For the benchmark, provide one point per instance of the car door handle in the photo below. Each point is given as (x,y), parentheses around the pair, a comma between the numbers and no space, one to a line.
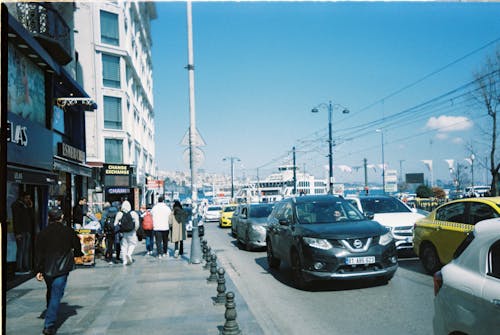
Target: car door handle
(496,302)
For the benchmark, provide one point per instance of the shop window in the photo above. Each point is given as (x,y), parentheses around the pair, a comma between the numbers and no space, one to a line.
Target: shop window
(109,28)
(112,112)
(113,151)
(111,71)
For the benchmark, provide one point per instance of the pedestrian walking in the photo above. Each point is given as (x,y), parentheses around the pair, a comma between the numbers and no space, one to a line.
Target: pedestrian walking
(128,221)
(161,214)
(177,223)
(108,227)
(56,247)
(23,220)
(147,227)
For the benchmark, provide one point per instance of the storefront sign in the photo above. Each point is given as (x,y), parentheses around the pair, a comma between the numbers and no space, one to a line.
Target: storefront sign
(70,152)
(29,143)
(116,169)
(118,190)
(17,134)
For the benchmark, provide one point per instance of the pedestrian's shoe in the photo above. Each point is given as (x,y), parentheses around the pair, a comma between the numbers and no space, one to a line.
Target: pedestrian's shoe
(48,331)
(129,260)
(176,253)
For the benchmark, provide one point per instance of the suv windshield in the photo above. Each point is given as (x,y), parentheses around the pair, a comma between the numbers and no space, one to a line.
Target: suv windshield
(229,209)
(327,212)
(383,205)
(260,211)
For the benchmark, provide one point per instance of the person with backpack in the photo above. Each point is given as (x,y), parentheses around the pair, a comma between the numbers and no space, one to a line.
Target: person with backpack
(128,222)
(147,227)
(108,227)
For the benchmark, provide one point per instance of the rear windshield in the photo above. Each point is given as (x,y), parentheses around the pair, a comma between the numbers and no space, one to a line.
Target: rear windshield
(383,205)
(229,209)
(465,243)
(327,212)
(214,208)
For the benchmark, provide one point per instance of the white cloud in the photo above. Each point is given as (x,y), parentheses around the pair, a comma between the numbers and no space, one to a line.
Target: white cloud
(441,136)
(458,140)
(446,123)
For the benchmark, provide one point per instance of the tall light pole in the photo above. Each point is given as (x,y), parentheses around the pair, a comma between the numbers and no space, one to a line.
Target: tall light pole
(383,159)
(472,158)
(330,107)
(232,160)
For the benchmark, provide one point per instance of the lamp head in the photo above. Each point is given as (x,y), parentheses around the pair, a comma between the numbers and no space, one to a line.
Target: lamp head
(345,111)
(315,110)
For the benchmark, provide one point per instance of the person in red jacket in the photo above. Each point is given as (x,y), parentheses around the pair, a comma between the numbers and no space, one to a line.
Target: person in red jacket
(147,226)
(56,247)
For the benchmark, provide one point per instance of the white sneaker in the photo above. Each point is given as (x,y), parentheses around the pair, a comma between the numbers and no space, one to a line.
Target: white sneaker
(176,254)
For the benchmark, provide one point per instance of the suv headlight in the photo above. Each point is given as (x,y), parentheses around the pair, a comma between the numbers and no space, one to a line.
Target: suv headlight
(385,239)
(317,243)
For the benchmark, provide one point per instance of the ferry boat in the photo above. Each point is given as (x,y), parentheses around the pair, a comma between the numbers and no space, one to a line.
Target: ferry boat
(279,185)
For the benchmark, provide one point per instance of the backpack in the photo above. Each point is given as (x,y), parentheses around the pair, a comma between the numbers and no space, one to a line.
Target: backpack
(127,223)
(147,221)
(109,225)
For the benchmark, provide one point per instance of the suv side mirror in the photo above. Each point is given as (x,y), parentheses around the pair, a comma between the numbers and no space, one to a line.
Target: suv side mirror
(369,215)
(284,222)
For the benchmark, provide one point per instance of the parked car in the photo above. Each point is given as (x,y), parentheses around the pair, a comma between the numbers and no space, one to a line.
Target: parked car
(325,237)
(235,219)
(476,191)
(437,236)
(189,224)
(393,214)
(252,223)
(467,290)
(212,213)
(226,215)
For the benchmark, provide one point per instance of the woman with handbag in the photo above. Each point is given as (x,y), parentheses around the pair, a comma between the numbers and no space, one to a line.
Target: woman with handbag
(177,223)
(56,247)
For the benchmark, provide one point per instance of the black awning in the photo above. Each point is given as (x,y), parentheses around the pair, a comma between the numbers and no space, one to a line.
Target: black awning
(61,164)
(29,176)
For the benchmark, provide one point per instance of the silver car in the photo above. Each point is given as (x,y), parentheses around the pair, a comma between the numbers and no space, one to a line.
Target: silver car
(252,223)
(468,289)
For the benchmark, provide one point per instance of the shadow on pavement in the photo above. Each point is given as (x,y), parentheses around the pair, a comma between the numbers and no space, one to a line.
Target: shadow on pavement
(284,275)
(65,312)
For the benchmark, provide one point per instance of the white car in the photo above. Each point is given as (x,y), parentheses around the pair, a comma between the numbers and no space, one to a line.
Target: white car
(468,289)
(391,213)
(212,213)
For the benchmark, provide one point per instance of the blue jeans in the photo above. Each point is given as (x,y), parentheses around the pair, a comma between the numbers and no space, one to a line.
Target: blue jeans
(149,240)
(55,292)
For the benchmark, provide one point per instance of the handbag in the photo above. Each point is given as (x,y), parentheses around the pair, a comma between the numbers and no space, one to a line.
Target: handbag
(60,265)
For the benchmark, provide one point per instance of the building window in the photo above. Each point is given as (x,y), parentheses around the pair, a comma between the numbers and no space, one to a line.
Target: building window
(113,151)
(111,71)
(112,112)
(109,28)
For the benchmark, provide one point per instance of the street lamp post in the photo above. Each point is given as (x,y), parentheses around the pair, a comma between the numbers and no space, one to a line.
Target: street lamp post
(330,107)
(383,158)
(232,160)
(472,158)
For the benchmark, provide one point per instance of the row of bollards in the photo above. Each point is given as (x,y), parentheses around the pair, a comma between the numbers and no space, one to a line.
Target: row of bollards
(217,276)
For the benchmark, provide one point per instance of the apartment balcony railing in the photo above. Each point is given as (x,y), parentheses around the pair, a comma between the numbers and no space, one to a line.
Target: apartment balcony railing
(48,28)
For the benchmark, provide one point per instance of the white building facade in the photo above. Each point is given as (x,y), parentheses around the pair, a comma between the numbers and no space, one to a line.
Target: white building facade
(113,43)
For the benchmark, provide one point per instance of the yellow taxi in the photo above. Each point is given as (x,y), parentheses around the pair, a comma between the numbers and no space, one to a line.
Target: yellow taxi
(436,237)
(226,215)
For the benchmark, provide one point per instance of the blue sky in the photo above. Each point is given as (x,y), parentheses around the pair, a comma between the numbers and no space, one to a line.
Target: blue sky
(260,67)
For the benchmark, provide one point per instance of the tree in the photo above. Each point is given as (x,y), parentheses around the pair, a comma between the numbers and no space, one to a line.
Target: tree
(438,192)
(488,95)
(424,191)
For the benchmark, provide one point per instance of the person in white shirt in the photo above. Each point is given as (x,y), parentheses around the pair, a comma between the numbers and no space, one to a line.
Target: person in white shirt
(161,213)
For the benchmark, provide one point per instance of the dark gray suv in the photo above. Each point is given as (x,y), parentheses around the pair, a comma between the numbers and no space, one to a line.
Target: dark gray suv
(325,237)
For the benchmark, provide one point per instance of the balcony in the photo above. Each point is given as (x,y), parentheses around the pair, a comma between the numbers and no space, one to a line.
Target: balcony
(48,28)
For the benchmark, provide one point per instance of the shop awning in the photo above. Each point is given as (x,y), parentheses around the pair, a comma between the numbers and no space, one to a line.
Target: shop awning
(65,165)
(22,175)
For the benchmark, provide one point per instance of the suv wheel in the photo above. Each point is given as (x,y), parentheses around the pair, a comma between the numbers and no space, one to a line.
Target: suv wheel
(430,258)
(274,263)
(297,275)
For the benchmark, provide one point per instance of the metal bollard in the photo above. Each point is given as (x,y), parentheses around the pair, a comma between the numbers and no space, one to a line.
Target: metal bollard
(195,246)
(213,270)
(230,326)
(221,288)
(208,258)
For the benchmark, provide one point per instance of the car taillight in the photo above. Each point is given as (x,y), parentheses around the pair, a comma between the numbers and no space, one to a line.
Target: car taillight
(438,282)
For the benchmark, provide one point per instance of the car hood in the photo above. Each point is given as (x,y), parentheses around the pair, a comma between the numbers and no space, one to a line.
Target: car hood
(397,219)
(342,230)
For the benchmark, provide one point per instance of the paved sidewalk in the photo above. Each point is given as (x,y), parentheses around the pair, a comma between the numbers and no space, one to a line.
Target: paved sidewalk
(151,296)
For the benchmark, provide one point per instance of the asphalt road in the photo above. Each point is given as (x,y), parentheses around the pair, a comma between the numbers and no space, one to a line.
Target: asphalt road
(403,306)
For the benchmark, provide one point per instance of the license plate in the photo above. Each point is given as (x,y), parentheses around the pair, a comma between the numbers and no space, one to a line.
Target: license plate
(360,260)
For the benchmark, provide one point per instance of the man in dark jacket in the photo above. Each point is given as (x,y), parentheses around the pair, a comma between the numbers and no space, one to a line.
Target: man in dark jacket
(23,217)
(56,247)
